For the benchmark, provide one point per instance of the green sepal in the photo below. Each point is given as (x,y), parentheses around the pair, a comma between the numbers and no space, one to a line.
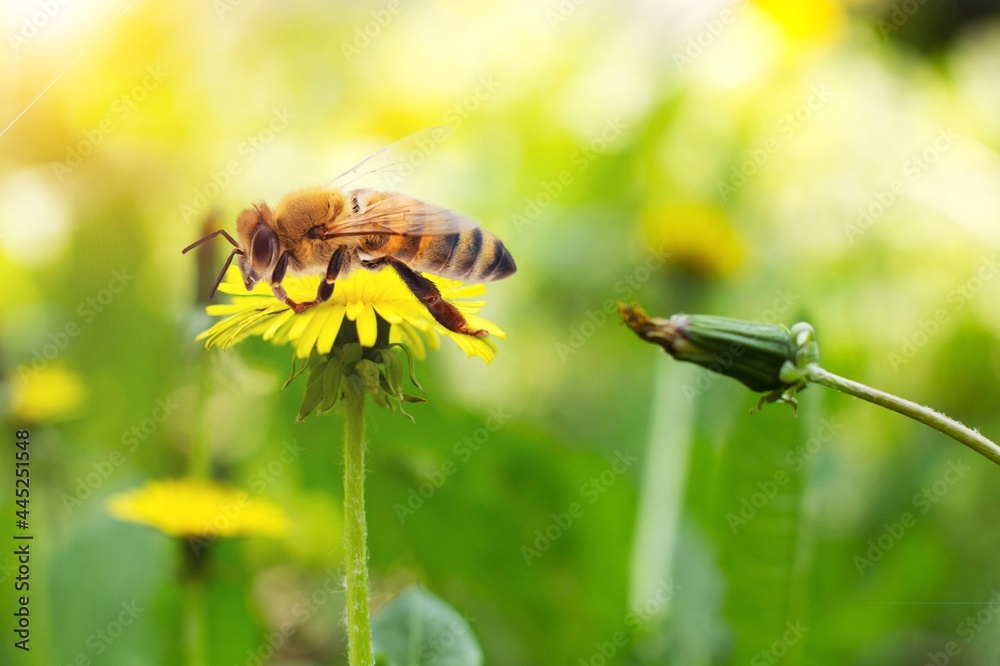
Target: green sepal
(296,371)
(378,371)
(409,360)
(369,373)
(393,372)
(352,352)
(380,399)
(750,352)
(314,390)
(332,376)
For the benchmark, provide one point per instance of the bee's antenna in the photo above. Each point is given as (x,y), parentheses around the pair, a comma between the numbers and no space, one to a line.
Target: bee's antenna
(225,268)
(229,260)
(210,237)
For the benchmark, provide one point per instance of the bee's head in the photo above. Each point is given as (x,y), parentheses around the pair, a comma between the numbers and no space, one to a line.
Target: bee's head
(258,244)
(257,247)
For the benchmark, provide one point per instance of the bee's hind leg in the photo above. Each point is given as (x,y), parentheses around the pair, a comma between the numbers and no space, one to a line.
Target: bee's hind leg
(444,312)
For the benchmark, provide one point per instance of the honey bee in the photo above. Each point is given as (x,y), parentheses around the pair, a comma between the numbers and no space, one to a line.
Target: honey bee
(339,227)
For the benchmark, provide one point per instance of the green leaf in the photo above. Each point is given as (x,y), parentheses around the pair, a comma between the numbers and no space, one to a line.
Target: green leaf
(418,629)
(762,544)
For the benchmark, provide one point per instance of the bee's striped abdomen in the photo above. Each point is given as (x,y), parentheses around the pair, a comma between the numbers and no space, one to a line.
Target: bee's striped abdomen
(475,255)
(404,248)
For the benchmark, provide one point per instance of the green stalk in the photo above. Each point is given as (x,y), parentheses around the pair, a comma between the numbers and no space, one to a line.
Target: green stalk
(196,558)
(193,584)
(359,631)
(957,431)
(200,458)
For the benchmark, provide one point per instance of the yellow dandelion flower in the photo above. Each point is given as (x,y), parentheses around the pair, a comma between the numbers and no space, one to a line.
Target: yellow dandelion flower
(50,394)
(193,508)
(816,21)
(699,238)
(362,299)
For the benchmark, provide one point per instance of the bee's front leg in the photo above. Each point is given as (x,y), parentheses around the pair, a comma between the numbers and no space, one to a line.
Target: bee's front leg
(282,295)
(277,275)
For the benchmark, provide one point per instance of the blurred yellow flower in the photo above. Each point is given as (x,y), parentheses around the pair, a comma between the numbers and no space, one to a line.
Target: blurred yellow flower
(697,237)
(49,394)
(196,508)
(817,20)
(362,298)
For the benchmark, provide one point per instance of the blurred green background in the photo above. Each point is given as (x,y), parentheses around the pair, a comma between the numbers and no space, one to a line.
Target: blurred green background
(778,160)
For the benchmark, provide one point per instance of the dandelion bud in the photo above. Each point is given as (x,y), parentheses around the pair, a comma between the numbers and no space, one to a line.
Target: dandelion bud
(765,357)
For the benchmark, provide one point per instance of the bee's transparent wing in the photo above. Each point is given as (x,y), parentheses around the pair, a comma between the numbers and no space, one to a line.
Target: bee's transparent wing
(390,166)
(398,215)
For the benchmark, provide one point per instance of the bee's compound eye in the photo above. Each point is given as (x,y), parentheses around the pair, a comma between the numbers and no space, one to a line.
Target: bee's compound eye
(263,247)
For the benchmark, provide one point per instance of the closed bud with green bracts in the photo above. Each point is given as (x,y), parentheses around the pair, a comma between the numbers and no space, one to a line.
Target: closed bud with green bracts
(764,357)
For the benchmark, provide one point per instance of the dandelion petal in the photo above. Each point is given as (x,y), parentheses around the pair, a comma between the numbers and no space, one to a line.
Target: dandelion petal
(304,345)
(354,308)
(367,327)
(324,344)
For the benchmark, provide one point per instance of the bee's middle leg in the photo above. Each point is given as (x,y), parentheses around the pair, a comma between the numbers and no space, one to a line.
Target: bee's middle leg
(373,264)
(323,292)
(444,312)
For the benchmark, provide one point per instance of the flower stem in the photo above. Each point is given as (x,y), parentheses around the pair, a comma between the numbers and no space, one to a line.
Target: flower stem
(359,632)
(200,458)
(194,619)
(949,426)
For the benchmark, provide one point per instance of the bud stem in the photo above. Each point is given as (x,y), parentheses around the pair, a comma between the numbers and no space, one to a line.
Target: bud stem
(957,431)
